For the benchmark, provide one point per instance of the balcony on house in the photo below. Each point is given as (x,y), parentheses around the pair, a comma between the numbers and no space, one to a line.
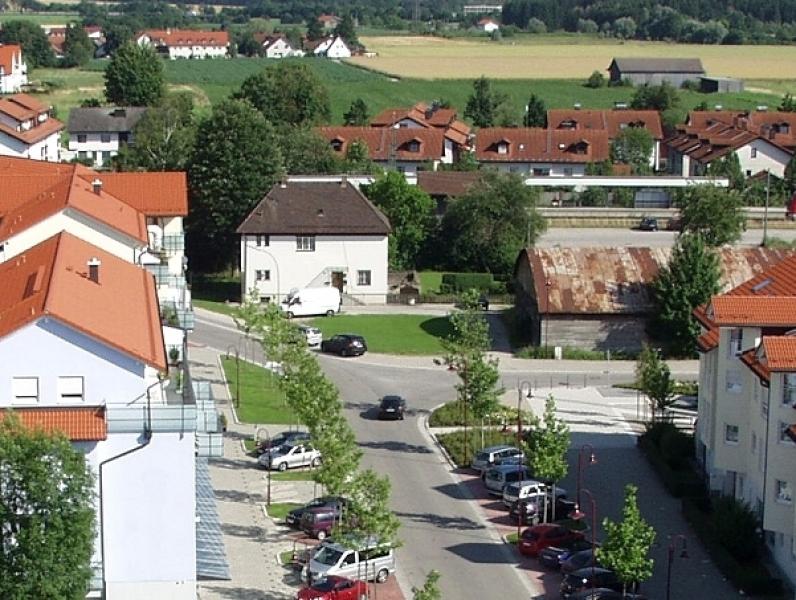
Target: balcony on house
(209,425)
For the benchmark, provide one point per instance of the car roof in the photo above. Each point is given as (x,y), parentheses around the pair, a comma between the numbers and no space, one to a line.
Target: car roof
(391,397)
(507,468)
(524,482)
(496,448)
(587,571)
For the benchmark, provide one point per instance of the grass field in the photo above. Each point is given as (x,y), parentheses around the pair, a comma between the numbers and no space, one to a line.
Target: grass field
(261,401)
(391,334)
(54,18)
(547,57)
(430,281)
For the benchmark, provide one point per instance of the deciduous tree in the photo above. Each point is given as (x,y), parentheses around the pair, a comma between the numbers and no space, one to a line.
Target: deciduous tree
(714,212)
(535,112)
(357,114)
(730,167)
(482,105)
(46,515)
(134,76)
(78,48)
(655,97)
(548,448)
(627,543)
(789,178)
(430,589)
(633,146)
(305,152)
(654,379)
(346,30)
(410,211)
(226,182)
(36,49)
(689,280)
(314,29)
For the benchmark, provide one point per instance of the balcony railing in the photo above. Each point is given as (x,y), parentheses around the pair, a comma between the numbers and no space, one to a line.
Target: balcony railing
(173,243)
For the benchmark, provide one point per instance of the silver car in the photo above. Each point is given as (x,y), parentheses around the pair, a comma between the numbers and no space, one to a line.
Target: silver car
(290,456)
(313,334)
(493,455)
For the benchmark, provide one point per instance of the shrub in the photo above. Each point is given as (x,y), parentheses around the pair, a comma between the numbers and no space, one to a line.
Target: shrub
(679,482)
(452,414)
(569,353)
(734,526)
(536,26)
(595,80)
(656,431)
(454,443)
(677,448)
(453,283)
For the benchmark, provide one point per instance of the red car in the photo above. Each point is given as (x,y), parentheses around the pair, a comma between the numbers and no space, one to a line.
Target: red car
(334,588)
(537,538)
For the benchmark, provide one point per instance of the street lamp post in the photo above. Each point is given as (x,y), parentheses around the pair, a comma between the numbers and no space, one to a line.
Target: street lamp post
(670,559)
(523,391)
(592,461)
(547,285)
(237,373)
(577,514)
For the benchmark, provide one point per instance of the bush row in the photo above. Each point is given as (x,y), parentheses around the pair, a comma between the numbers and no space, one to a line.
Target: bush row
(571,353)
(682,482)
(453,283)
(451,414)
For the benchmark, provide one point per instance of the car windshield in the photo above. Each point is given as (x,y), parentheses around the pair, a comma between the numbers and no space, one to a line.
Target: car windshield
(529,534)
(482,457)
(328,556)
(284,449)
(391,401)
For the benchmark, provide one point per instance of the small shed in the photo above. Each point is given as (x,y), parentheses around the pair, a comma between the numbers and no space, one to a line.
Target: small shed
(712,85)
(654,71)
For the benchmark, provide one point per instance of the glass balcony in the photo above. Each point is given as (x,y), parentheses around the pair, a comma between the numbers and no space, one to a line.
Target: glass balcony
(173,244)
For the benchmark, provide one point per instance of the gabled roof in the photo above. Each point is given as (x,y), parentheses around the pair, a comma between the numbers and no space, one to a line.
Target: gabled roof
(776,126)
(613,121)
(780,352)
(162,194)
(315,208)
(426,116)
(601,280)
(659,65)
(104,119)
(534,144)
(9,52)
(78,423)
(447,183)
(186,37)
(385,142)
(50,280)
(763,311)
(27,199)
(22,107)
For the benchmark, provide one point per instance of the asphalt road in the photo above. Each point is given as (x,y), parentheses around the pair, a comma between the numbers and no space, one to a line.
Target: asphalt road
(630,237)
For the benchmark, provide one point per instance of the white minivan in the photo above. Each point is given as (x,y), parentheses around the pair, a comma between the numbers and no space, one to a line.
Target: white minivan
(374,562)
(311,301)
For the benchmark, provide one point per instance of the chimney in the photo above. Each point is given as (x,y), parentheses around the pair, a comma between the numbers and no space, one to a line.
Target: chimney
(283,183)
(97,185)
(320,212)
(93,269)
(343,181)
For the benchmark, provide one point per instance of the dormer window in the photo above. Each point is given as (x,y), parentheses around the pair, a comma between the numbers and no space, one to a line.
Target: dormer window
(579,148)
(413,146)
(502,148)
(568,124)
(337,144)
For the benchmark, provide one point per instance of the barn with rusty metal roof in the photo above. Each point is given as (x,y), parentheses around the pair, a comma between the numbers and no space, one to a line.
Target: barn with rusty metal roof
(600,297)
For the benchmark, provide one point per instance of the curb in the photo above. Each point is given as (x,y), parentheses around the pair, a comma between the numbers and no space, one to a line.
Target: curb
(433,436)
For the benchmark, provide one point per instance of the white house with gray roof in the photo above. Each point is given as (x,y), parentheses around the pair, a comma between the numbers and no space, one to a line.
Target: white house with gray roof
(97,133)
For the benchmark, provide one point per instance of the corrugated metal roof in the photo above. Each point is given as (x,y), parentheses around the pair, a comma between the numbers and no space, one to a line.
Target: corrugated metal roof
(601,280)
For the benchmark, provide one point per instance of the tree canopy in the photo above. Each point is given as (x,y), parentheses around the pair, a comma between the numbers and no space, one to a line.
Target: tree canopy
(46,515)
(485,229)
(535,112)
(36,49)
(357,113)
(288,93)
(78,48)
(225,182)
(714,212)
(484,104)
(306,152)
(633,146)
(410,211)
(134,76)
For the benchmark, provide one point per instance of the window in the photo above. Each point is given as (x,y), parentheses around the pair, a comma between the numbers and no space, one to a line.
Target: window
(82,154)
(783,491)
(734,382)
(789,389)
(305,243)
(503,148)
(263,240)
(337,145)
(736,343)
(541,172)
(754,152)
(567,171)
(25,389)
(262,275)
(363,277)
(413,146)
(81,138)
(731,434)
(70,389)
(783,433)
(105,138)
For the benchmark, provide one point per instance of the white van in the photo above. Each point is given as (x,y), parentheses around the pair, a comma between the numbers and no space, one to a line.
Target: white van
(311,301)
(374,562)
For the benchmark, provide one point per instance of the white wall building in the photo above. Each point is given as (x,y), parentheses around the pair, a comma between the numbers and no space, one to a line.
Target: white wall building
(13,70)
(331,47)
(315,234)
(27,130)
(186,43)
(747,400)
(97,133)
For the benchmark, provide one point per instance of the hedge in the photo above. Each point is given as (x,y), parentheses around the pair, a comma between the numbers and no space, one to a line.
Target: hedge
(451,414)
(460,282)
(751,577)
(679,483)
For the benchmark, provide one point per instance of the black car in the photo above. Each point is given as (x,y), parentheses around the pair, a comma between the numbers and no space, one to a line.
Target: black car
(553,557)
(392,407)
(648,224)
(336,503)
(605,594)
(285,437)
(589,578)
(345,344)
(579,560)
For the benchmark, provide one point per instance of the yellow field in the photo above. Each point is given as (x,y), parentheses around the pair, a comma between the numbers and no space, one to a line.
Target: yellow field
(560,57)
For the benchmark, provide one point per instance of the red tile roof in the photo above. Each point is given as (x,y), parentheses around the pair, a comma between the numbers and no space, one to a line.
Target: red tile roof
(751,360)
(78,423)
(426,116)
(541,145)
(613,121)
(763,311)
(780,352)
(22,108)
(186,37)
(382,142)
(153,194)
(7,54)
(50,280)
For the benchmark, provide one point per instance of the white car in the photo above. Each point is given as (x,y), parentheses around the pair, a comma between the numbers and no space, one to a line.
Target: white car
(313,335)
(288,456)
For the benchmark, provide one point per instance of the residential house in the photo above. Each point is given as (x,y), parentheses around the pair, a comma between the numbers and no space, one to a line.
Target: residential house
(405,149)
(13,70)
(306,234)
(330,47)
(488,25)
(600,298)
(27,130)
(760,147)
(541,152)
(329,22)
(97,133)
(427,116)
(186,43)
(747,393)
(276,46)
(655,71)
(83,353)
(57,38)
(445,187)
(613,121)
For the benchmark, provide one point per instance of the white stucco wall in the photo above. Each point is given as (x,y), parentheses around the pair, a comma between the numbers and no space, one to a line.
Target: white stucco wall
(176,52)
(11,83)
(292,269)
(768,157)
(94,147)
(46,149)
(555,169)
(78,225)
(279,49)
(338,49)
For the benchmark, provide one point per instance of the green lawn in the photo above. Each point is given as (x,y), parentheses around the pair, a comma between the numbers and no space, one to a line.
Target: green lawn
(42,18)
(261,400)
(279,510)
(390,334)
(430,281)
(301,475)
